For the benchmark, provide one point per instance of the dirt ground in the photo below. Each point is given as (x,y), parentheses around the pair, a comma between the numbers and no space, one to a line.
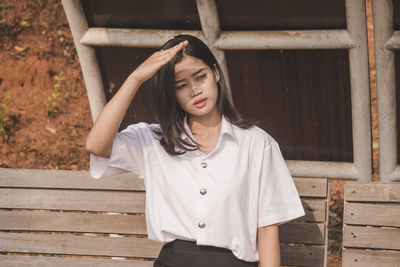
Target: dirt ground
(44,109)
(42,87)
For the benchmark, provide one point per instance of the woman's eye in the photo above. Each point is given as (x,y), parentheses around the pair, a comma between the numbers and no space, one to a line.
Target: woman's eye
(201,77)
(180,86)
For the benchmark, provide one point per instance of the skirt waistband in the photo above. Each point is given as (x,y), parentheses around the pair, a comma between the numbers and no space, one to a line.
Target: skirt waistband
(183,253)
(180,244)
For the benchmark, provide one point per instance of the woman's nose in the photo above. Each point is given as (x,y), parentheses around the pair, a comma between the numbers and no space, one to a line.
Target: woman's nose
(195,90)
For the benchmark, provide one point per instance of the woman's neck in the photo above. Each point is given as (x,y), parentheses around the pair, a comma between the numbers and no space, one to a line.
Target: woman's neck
(205,126)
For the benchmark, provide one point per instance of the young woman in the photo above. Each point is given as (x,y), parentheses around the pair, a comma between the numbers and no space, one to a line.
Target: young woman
(217,187)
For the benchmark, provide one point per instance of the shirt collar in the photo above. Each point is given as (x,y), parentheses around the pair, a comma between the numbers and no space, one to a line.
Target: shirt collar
(226,129)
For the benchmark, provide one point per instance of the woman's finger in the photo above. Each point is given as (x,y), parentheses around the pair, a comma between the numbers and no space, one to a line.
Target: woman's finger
(166,55)
(175,47)
(147,69)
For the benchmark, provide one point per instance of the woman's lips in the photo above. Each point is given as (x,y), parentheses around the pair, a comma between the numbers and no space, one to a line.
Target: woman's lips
(201,103)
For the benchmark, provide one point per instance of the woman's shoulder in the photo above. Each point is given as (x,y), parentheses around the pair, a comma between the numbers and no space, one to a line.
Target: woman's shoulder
(256,134)
(143,129)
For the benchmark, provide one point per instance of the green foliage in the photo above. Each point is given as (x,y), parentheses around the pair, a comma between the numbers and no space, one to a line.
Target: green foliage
(51,104)
(51,100)
(4,117)
(3,24)
(59,78)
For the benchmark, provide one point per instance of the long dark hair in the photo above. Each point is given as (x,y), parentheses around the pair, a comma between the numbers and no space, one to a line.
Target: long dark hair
(170,114)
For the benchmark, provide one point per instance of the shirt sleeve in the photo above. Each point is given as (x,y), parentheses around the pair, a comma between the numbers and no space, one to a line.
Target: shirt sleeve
(279,201)
(127,153)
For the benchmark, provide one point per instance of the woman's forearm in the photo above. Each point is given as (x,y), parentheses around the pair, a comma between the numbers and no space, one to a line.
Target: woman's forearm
(102,134)
(268,246)
(100,138)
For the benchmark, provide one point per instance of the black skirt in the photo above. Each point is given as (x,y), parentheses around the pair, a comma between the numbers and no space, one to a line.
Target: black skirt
(183,253)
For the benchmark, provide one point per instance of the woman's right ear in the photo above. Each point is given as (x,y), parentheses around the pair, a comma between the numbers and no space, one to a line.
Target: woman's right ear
(216,73)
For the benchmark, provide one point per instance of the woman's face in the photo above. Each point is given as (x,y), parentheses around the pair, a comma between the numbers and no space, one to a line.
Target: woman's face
(196,86)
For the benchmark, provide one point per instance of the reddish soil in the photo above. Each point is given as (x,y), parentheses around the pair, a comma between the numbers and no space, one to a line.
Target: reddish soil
(39,61)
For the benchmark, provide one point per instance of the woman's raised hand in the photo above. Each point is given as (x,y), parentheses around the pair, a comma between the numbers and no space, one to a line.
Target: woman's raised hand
(104,130)
(153,63)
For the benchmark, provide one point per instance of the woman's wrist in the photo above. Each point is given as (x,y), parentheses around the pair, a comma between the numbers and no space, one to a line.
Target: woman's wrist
(130,87)
(133,78)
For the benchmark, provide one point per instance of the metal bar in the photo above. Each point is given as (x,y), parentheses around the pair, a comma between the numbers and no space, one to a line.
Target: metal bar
(87,57)
(209,20)
(327,169)
(385,81)
(394,41)
(324,39)
(327,224)
(310,39)
(132,37)
(360,88)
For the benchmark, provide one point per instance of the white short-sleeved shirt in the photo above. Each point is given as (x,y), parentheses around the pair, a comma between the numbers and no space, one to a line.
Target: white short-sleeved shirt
(218,199)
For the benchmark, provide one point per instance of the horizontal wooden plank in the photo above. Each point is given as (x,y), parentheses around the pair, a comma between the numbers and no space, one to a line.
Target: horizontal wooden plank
(371,237)
(315,210)
(370,258)
(65,179)
(302,255)
(45,261)
(304,233)
(290,255)
(79,245)
(72,222)
(114,201)
(311,187)
(372,192)
(372,214)
(307,233)
(122,247)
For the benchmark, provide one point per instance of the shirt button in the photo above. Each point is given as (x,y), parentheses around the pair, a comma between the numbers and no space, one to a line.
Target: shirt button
(201,224)
(203,191)
(204,164)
